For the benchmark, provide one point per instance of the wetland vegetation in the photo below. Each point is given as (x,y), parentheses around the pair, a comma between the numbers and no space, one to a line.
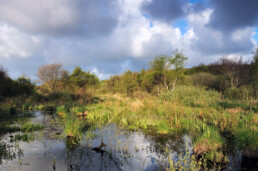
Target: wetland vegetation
(200,118)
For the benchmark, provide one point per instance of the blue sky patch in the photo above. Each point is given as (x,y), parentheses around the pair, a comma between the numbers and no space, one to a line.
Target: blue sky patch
(148,17)
(194,1)
(182,25)
(256,35)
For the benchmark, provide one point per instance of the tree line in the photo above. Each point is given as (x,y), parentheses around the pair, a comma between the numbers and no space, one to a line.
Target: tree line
(233,78)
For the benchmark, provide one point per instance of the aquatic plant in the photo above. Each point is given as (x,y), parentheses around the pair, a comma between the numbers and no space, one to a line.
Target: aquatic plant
(185,161)
(19,137)
(29,127)
(6,153)
(73,127)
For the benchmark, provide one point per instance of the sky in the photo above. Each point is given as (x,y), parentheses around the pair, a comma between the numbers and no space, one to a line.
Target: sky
(108,37)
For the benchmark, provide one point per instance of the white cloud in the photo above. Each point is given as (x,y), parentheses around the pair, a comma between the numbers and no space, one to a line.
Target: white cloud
(107,36)
(212,44)
(16,43)
(100,75)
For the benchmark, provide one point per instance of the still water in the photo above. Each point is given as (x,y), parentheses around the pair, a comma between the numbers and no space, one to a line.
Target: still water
(106,148)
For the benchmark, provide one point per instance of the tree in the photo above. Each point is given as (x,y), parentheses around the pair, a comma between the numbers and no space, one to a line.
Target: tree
(130,82)
(162,64)
(5,83)
(177,62)
(254,72)
(3,73)
(237,71)
(159,67)
(111,83)
(65,78)
(50,74)
(81,78)
(24,86)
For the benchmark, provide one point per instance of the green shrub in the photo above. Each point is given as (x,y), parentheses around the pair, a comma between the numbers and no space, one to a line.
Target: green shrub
(192,96)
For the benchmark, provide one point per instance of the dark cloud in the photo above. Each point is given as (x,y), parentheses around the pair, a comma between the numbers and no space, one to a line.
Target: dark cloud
(60,17)
(166,10)
(111,36)
(229,15)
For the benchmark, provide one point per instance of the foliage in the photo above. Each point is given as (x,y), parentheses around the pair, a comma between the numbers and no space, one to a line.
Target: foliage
(203,79)
(81,78)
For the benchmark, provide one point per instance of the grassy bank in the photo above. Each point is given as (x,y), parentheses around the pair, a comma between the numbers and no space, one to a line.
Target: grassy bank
(188,110)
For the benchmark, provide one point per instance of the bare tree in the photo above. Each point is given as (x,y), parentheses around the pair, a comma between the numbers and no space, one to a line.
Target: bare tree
(236,70)
(50,74)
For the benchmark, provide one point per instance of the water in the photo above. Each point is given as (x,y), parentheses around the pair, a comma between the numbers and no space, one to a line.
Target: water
(120,149)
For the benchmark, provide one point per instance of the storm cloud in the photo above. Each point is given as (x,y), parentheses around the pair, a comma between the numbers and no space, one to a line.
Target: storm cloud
(109,37)
(167,10)
(230,15)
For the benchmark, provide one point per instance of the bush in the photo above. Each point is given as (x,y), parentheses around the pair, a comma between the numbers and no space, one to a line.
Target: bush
(242,93)
(192,96)
(203,79)
(62,97)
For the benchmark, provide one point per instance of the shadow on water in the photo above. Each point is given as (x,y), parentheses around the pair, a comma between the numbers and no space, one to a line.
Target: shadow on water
(105,148)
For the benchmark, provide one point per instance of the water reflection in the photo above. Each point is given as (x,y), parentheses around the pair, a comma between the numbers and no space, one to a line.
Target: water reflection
(106,148)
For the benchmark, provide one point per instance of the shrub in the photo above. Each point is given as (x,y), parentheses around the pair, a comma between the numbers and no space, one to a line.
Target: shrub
(203,79)
(192,96)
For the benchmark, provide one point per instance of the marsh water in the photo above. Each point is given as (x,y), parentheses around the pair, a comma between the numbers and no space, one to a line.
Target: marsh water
(105,148)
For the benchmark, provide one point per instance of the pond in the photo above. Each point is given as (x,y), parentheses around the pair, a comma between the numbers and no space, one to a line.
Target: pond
(105,148)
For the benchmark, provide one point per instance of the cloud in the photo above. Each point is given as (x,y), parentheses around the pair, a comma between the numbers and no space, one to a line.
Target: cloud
(110,37)
(212,41)
(165,10)
(16,43)
(60,17)
(234,14)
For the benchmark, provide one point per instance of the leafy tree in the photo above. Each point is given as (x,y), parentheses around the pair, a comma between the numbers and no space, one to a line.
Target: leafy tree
(148,81)
(254,72)
(111,83)
(5,83)
(24,86)
(65,79)
(81,78)
(129,82)
(177,61)
(159,67)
